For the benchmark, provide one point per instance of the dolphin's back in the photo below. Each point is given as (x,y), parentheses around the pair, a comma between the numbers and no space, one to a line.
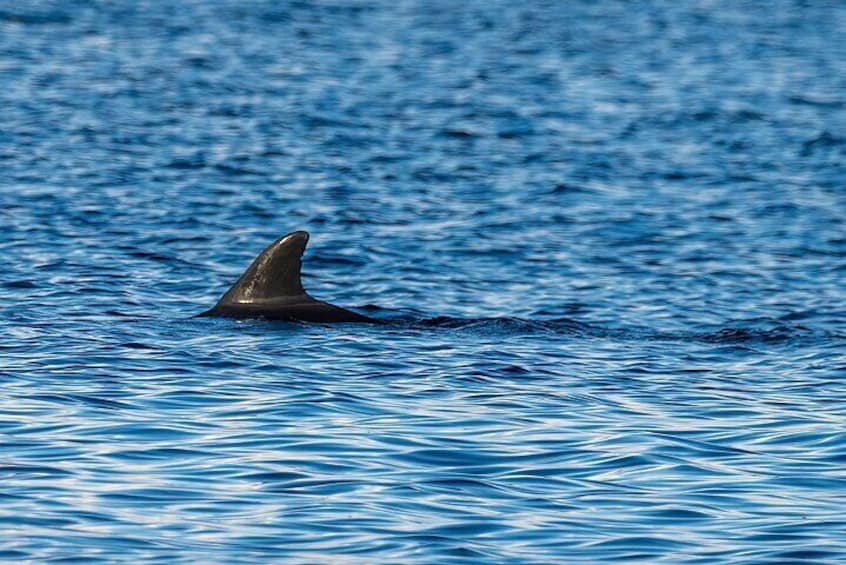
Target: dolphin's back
(271,288)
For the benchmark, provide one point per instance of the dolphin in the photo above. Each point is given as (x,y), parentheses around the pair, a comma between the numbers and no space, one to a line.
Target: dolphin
(271,288)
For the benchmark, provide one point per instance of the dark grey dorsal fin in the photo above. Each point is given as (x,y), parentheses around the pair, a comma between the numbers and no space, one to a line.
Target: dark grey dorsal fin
(275,273)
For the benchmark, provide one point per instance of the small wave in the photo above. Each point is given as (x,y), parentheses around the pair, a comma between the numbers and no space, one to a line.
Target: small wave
(731,334)
(35,17)
(746,335)
(505,324)
(741,333)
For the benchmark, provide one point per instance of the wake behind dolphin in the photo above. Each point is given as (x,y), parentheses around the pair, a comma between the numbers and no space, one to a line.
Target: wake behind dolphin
(271,288)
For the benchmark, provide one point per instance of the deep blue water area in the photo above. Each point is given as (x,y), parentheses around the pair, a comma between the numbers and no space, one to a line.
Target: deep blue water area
(608,237)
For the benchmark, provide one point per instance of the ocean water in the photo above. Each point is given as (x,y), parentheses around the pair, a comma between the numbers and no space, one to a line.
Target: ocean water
(608,236)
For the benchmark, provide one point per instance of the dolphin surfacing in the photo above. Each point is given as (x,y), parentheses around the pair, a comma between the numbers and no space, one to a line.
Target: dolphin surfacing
(270,288)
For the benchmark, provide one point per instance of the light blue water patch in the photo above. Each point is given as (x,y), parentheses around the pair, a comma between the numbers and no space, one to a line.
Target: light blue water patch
(608,238)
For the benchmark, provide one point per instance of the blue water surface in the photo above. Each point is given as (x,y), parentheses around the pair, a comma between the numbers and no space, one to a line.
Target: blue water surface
(609,238)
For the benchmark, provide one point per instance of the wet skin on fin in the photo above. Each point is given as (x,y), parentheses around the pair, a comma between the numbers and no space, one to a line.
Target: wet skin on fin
(271,288)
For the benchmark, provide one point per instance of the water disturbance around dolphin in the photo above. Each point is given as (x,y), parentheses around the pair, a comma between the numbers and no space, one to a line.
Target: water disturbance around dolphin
(272,288)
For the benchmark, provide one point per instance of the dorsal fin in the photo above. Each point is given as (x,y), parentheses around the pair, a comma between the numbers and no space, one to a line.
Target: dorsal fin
(275,273)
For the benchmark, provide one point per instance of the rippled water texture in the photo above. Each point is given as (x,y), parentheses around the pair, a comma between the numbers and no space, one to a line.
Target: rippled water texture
(609,238)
